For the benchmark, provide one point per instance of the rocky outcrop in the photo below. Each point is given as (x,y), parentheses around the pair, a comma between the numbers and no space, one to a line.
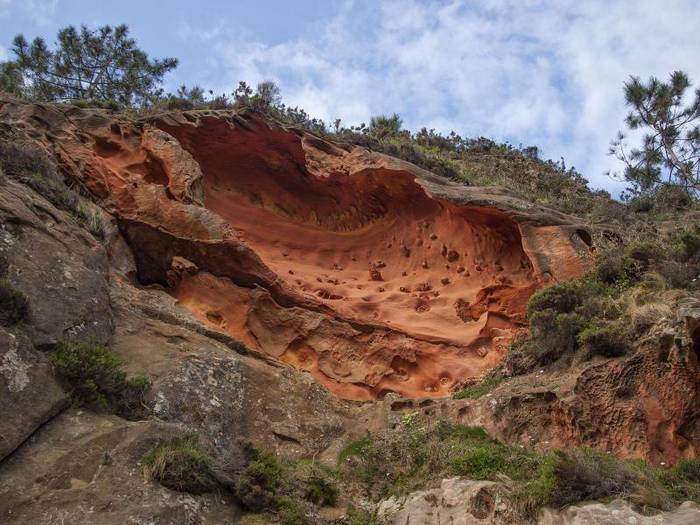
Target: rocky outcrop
(57,264)
(643,405)
(211,384)
(84,468)
(268,283)
(61,269)
(29,395)
(292,226)
(460,501)
(457,501)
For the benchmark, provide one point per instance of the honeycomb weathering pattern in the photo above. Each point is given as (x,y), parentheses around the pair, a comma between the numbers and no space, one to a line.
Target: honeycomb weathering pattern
(369,272)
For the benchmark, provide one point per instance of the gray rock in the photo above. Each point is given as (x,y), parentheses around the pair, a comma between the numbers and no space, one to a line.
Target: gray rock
(456,501)
(58,265)
(619,512)
(29,395)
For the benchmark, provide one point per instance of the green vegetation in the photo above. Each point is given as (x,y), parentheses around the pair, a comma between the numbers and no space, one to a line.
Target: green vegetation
(355,448)
(412,456)
(683,480)
(282,486)
(667,165)
(93,376)
(35,168)
(180,464)
(14,305)
(479,389)
(100,64)
(621,297)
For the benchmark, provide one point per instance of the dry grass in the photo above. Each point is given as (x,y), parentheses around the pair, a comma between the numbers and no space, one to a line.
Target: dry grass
(180,464)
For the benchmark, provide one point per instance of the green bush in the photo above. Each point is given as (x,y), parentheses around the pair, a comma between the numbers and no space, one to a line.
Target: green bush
(588,474)
(263,475)
(18,161)
(131,401)
(563,297)
(290,512)
(91,372)
(321,491)
(287,487)
(686,242)
(555,334)
(361,517)
(683,480)
(482,462)
(617,269)
(607,340)
(645,252)
(180,464)
(93,376)
(14,305)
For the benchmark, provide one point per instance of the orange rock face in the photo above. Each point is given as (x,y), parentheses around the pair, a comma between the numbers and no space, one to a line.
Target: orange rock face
(370,273)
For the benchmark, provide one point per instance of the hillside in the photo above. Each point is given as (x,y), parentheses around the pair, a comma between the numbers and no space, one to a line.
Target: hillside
(308,329)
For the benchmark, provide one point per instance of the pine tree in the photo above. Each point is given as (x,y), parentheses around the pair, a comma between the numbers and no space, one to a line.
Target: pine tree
(669,154)
(102,64)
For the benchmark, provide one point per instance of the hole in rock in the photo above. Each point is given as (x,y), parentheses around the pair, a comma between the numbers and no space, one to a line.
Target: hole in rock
(304,223)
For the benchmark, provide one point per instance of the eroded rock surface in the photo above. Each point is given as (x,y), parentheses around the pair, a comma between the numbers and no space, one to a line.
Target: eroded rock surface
(292,230)
(460,501)
(29,394)
(61,269)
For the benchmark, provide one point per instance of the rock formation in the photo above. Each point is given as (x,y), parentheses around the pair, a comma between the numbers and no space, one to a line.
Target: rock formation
(272,285)
(372,274)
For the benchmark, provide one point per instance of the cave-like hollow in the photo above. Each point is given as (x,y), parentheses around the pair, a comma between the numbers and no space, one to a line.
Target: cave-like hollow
(439,281)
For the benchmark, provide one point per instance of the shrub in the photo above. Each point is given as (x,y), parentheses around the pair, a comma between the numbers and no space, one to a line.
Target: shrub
(555,334)
(131,402)
(672,197)
(361,517)
(616,269)
(262,476)
(686,243)
(687,469)
(93,376)
(290,512)
(180,464)
(33,166)
(91,372)
(320,491)
(562,297)
(644,252)
(96,103)
(19,161)
(14,305)
(482,462)
(608,340)
(647,315)
(587,474)
(271,484)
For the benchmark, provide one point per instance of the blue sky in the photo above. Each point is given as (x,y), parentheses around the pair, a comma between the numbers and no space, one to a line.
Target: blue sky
(532,72)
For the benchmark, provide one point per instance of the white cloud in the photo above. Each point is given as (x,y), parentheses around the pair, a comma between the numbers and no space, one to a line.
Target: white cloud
(41,12)
(539,72)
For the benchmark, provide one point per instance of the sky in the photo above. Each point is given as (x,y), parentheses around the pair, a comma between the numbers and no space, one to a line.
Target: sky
(533,72)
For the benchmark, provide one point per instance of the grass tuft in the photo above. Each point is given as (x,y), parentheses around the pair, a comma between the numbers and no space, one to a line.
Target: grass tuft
(180,464)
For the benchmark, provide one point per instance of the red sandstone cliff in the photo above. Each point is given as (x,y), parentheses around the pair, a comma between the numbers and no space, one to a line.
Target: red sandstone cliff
(369,272)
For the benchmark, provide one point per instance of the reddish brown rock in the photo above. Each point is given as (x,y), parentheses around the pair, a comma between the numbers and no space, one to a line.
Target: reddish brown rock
(265,207)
